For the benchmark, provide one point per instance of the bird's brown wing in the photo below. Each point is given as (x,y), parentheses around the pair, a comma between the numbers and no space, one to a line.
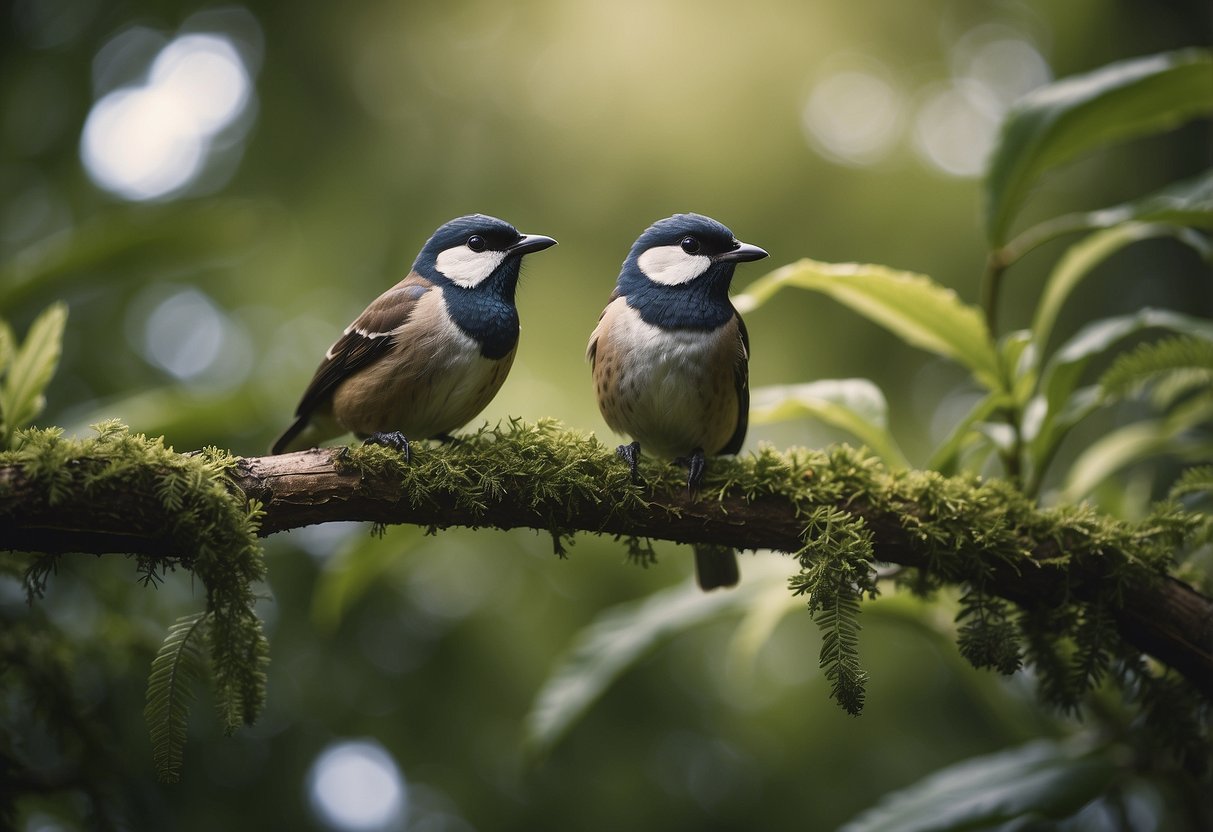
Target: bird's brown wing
(591,351)
(369,337)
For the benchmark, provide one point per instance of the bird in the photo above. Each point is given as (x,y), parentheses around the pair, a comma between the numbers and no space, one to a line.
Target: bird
(670,357)
(426,356)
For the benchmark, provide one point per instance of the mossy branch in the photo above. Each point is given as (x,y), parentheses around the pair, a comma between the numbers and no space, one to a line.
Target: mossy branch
(981,535)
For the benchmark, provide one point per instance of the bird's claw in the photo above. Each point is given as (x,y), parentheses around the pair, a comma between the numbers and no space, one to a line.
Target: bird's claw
(390,439)
(695,463)
(631,455)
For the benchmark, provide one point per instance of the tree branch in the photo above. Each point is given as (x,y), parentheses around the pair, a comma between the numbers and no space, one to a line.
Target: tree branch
(532,481)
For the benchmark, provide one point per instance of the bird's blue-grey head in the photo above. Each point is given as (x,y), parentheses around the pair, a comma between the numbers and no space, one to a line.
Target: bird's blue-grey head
(679,270)
(478,253)
(475,259)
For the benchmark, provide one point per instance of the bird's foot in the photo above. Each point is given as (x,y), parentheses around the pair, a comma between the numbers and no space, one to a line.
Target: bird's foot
(695,463)
(631,455)
(390,439)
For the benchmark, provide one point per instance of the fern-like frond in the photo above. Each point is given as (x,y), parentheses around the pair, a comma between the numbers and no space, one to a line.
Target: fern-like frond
(1198,480)
(177,667)
(836,573)
(839,625)
(1170,368)
(1095,639)
(1049,653)
(987,635)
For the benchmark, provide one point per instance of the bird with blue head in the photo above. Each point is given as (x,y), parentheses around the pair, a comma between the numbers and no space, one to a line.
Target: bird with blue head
(426,356)
(670,356)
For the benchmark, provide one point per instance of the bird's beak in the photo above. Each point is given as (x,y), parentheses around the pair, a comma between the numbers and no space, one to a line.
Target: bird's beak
(743,253)
(531,243)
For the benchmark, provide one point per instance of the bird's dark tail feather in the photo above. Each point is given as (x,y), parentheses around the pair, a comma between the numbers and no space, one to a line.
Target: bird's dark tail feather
(282,443)
(715,566)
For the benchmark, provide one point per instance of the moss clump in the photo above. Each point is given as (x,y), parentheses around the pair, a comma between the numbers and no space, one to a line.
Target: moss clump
(213,527)
(960,532)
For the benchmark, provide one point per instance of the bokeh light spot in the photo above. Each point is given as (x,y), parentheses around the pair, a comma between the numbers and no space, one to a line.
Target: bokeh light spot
(181,330)
(356,785)
(149,140)
(206,71)
(852,117)
(1001,59)
(184,334)
(955,128)
(137,144)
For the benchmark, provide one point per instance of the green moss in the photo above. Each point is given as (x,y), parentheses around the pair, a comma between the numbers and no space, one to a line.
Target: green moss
(214,528)
(963,531)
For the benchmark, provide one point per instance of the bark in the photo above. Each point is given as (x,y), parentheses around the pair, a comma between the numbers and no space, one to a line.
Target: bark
(1165,618)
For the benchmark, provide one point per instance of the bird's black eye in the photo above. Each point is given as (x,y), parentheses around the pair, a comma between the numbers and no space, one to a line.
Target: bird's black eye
(477,243)
(690,245)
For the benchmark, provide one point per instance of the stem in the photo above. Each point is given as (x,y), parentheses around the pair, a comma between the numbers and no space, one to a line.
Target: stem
(991,284)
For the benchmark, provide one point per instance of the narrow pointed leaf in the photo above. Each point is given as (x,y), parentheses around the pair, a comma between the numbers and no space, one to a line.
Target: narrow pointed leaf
(1045,780)
(921,312)
(612,643)
(359,565)
(1188,203)
(1123,447)
(1056,123)
(1057,406)
(136,239)
(31,368)
(946,458)
(1077,263)
(855,405)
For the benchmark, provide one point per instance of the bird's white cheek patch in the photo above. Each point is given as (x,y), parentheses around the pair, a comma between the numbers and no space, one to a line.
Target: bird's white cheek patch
(466,267)
(671,265)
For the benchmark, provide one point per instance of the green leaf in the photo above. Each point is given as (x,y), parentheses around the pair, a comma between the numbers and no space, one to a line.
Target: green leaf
(1039,780)
(1133,443)
(855,405)
(1188,203)
(613,642)
(946,459)
(355,568)
(912,306)
(1054,124)
(1018,350)
(1076,264)
(134,240)
(31,369)
(176,669)
(762,617)
(1057,408)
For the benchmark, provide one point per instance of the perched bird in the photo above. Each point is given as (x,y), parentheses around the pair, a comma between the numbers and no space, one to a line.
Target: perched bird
(428,354)
(670,356)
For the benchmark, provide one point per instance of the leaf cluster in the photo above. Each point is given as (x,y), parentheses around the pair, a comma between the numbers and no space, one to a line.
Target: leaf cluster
(1032,392)
(214,532)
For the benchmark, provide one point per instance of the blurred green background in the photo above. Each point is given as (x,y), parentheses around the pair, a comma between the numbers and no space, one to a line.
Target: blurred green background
(217,190)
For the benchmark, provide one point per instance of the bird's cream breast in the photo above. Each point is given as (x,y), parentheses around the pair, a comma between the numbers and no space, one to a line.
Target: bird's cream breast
(670,389)
(434,381)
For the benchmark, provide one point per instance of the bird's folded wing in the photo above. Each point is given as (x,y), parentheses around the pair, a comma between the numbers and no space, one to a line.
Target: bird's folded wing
(368,338)
(741,382)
